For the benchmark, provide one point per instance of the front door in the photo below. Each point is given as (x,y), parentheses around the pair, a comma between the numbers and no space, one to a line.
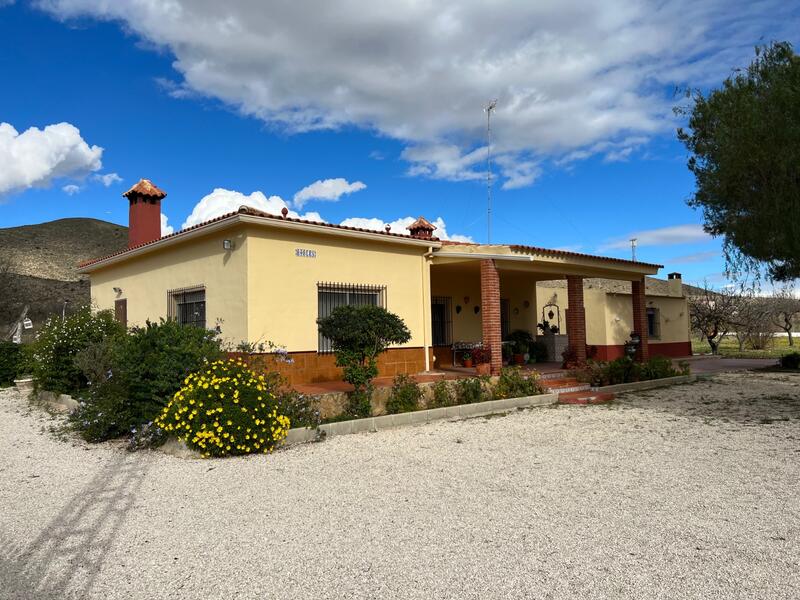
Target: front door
(441,322)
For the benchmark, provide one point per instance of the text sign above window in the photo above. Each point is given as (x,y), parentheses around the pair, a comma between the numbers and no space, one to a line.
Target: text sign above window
(305,253)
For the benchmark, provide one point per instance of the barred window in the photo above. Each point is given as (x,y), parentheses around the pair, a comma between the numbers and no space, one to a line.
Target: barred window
(442,320)
(334,295)
(653,323)
(188,306)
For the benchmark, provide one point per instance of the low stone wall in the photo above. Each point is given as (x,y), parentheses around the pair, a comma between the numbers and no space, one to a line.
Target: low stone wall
(306,434)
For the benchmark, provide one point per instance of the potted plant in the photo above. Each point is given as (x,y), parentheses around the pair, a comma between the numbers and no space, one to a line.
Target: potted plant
(520,349)
(466,360)
(521,341)
(483,360)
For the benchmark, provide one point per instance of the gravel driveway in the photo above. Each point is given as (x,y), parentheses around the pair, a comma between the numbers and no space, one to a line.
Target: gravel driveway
(686,492)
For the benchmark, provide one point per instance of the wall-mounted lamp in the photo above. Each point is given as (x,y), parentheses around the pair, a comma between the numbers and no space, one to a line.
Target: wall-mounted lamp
(117,290)
(227,244)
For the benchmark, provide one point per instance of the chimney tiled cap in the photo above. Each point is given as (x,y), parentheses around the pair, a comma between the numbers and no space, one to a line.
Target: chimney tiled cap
(421,223)
(145,187)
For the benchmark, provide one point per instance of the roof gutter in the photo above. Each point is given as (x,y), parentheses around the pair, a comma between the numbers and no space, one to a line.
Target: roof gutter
(482,256)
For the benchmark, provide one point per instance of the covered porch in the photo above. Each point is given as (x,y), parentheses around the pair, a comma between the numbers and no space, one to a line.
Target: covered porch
(480,294)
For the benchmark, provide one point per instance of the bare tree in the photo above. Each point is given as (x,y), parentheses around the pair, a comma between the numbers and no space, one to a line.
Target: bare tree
(785,311)
(752,320)
(711,312)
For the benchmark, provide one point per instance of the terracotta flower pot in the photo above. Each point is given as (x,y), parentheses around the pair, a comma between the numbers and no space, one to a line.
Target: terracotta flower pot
(468,363)
(483,368)
(519,359)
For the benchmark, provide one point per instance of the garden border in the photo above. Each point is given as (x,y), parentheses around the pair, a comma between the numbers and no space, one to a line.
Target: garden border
(302,435)
(651,383)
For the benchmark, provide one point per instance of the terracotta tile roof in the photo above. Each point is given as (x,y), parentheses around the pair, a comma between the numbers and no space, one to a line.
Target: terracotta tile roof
(421,223)
(523,248)
(145,187)
(247,210)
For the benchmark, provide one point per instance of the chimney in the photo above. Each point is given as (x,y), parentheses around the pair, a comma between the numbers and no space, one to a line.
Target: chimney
(675,285)
(422,229)
(144,216)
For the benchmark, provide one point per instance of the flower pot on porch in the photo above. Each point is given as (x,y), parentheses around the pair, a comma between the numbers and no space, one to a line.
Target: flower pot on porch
(467,363)
(519,359)
(483,368)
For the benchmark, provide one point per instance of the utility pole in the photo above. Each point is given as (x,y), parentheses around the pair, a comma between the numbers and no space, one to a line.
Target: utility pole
(489,108)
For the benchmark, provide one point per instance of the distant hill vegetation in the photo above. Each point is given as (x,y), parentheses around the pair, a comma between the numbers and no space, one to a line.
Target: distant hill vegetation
(39,265)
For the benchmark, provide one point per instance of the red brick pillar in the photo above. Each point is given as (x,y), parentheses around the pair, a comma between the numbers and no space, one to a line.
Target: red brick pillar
(490,313)
(576,317)
(640,319)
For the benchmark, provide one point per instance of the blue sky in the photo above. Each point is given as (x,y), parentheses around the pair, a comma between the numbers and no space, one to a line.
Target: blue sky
(385,104)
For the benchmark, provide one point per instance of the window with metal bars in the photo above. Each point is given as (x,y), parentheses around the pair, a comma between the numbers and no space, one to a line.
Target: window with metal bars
(333,295)
(441,321)
(188,306)
(653,323)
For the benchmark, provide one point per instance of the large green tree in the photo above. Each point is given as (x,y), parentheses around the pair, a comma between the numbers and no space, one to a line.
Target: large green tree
(744,140)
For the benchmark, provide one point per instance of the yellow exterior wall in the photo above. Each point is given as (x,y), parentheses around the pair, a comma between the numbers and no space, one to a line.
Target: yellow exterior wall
(460,284)
(282,287)
(146,280)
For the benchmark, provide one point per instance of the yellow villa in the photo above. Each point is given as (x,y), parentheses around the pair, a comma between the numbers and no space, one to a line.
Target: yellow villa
(257,276)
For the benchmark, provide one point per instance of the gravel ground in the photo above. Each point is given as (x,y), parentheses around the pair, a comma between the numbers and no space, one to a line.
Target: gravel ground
(685,492)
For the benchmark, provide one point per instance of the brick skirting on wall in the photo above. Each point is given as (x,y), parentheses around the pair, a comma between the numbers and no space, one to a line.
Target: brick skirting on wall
(670,349)
(312,367)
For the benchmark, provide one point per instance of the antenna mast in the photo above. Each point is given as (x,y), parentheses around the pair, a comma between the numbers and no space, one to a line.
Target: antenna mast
(633,249)
(489,108)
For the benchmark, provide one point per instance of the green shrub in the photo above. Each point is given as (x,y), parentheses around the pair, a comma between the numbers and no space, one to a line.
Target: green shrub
(405,395)
(59,341)
(10,357)
(359,334)
(301,410)
(225,409)
(442,395)
(130,378)
(627,370)
(790,361)
(658,367)
(470,390)
(513,384)
(522,340)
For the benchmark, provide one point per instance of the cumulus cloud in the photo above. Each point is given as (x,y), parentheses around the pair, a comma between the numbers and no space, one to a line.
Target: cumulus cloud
(663,236)
(326,189)
(71,189)
(107,179)
(222,201)
(569,75)
(697,257)
(401,226)
(166,228)
(36,157)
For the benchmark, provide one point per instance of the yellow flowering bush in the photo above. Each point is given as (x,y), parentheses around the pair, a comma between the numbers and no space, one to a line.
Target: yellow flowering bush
(224,410)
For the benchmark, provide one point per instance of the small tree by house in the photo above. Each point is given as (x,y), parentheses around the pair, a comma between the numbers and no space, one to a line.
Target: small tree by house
(359,334)
(711,312)
(752,321)
(785,311)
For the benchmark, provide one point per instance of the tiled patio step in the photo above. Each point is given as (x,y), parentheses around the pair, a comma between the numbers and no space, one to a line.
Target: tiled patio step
(568,389)
(553,375)
(585,397)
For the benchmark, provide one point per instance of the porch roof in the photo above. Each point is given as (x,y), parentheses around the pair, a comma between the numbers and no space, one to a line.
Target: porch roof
(544,260)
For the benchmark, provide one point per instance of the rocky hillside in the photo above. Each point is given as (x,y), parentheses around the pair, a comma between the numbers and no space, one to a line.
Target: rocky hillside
(39,265)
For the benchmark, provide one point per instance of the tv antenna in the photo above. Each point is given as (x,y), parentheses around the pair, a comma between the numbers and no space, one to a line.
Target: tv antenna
(633,249)
(489,108)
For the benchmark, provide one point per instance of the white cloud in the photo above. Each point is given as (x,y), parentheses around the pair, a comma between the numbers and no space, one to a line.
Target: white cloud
(328,189)
(166,228)
(107,179)
(71,189)
(36,156)
(697,257)
(400,226)
(664,236)
(568,75)
(222,201)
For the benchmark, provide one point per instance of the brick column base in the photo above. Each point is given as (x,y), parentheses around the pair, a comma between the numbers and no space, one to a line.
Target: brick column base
(576,317)
(490,313)
(640,319)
